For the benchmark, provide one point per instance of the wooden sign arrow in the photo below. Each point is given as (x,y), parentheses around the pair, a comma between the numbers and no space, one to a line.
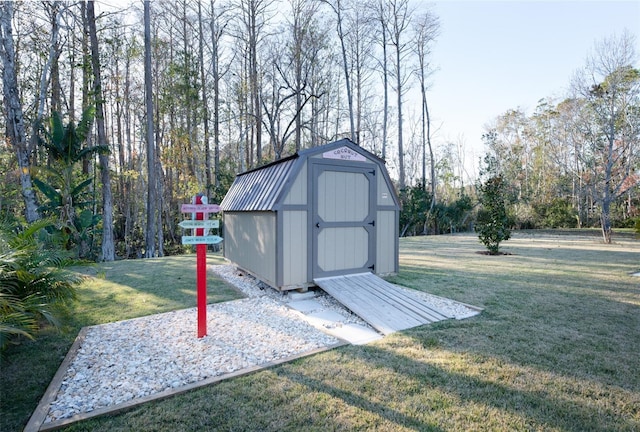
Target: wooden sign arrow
(200,208)
(213,223)
(190,240)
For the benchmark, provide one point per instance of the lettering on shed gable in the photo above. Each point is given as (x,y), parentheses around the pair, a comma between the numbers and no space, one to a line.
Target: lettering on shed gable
(344,153)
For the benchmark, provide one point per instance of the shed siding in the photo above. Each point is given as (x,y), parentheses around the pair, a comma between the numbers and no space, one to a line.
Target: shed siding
(386,242)
(298,193)
(250,242)
(294,248)
(385,197)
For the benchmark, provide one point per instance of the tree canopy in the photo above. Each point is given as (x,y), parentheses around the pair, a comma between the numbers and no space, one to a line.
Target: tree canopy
(233,84)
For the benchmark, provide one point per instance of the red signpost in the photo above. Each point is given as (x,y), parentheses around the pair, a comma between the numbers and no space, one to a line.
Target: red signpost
(201,209)
(201,276)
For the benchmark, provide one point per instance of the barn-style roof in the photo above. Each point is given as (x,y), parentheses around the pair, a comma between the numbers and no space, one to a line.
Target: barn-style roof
(260,189)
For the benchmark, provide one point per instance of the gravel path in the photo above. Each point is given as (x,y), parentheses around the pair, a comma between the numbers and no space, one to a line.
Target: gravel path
(122,361)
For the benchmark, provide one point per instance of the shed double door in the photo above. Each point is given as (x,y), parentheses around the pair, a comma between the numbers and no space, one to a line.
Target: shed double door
(343,218)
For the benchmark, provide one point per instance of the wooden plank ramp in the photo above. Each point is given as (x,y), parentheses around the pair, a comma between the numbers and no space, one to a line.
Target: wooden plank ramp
(387,307)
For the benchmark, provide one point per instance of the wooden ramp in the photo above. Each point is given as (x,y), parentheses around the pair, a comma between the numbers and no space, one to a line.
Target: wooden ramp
(385,306)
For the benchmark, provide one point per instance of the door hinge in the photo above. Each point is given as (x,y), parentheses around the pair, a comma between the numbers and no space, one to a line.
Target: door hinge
(373,172)
(372,267)
(372,223)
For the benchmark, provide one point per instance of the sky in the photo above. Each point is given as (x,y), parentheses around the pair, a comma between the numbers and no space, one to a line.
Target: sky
(493,56)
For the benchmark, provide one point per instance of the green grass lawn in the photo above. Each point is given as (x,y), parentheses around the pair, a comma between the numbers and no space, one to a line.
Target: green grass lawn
(555,349)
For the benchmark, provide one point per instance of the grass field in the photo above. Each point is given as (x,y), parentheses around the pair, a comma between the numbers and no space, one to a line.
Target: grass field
(555,349)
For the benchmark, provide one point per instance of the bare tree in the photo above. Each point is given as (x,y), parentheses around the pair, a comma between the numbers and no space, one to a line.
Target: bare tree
(150,237)
(381,14)
(283,98)
(338,8)
(205,103)
(426,29)
(301,56)
(319,80)
(50,69)
(218,24)
(398,23)
(108,248)
(611,87)
(254,16)
(13,109)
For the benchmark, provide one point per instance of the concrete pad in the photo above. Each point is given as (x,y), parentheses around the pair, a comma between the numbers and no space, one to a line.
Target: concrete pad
(325,318)
(297,296)
(306,306)
(355,334)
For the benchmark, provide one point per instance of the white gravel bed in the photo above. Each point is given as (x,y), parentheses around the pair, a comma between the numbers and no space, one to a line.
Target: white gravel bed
(450,308)
(253,287)
(122,361)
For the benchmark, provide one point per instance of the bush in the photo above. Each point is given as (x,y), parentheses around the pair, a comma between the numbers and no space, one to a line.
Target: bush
(493,221)
(415,201)
(452,217)
(559,213)
(33,281)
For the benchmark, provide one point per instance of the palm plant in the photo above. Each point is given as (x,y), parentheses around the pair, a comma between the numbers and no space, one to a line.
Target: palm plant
(67,191)
(33,280)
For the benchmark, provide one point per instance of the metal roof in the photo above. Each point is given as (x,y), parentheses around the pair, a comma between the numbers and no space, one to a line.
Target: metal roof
(259,189)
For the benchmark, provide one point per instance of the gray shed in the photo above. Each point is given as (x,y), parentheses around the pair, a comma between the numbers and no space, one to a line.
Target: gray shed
(325,211)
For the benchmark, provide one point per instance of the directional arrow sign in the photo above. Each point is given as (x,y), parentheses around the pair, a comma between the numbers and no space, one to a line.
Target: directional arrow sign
(213,223)
(190,240)
(200,208)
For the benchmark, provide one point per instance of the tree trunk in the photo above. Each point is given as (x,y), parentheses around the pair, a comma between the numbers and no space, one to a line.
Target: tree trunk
(86,79)
(13,108)
(108,249)
(401,180)
(345,66)
(298,42)
(254,81)
(128,218)
(205,105)
(215,35)
(150,234)
(50,66)
(399,16)
(423,118)
(189,110)
(432,161)
(605,220)
(385,76)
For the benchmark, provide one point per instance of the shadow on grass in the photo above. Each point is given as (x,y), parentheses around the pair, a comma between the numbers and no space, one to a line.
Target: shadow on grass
(133,288)
(494,402)
(368,403)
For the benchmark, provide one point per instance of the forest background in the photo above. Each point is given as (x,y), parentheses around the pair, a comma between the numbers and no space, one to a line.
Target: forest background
(114,116)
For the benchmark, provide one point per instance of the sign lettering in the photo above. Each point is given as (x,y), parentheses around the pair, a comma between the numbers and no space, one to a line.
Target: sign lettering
(344,153)
(204,240)
(190,224)
(200,208)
